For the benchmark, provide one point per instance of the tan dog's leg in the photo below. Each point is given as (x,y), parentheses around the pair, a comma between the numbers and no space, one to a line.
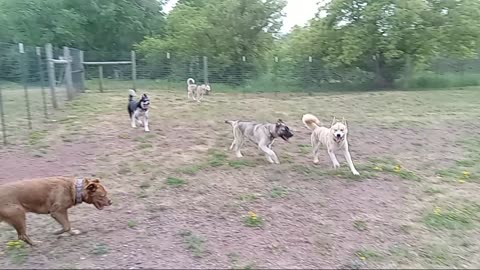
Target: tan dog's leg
(316,152)
(334,159)
(349,161)
(16,217)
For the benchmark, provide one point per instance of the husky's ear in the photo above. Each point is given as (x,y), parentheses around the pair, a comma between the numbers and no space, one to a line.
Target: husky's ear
(344,121)
(334,121)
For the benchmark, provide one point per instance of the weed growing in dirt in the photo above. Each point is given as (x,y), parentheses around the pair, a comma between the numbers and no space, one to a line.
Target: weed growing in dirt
(242,163)
(360,225)
(192,169)
(253,220)
(452,219)
(366,254)
(17,251)
(132,224)
(195,243)
(388,165)
(100,249)
(143,146)
(468,169)
(37,136)
(216,158)
(249,197)
(175,181)
(278,192)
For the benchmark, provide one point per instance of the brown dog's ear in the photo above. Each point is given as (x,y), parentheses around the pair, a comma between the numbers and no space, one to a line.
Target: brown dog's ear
(92,187)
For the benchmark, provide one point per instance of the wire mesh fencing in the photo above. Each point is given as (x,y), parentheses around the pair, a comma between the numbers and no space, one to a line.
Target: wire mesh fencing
(35,81)
(32,87)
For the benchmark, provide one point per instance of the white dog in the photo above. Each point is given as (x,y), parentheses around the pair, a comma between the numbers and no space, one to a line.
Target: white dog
(334,138)
(195,91)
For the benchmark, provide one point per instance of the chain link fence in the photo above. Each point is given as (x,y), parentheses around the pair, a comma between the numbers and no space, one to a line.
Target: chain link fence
(35,81)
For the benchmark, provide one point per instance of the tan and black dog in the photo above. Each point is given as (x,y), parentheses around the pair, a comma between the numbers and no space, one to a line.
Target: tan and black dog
(53,195)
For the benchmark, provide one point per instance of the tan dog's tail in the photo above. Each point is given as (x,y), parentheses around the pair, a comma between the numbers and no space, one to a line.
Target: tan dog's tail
(231,122)
(310,121)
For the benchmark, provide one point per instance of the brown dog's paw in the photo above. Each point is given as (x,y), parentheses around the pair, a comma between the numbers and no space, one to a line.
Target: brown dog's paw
(75,232)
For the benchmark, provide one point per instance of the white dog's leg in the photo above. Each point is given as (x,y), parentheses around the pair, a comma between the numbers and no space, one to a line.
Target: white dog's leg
(272,156)
(334,159)
(145,120)
(350,162)
(134,117)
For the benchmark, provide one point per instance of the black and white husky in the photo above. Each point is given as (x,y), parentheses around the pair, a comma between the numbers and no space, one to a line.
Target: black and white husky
(138,109)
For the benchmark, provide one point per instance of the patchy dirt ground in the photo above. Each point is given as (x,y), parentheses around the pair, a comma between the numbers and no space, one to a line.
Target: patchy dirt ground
(181,200)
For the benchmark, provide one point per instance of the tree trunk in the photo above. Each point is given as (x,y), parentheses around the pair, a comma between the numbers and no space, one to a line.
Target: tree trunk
(383,78)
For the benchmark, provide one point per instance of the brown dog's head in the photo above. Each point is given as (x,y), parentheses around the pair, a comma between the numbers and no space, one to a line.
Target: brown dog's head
(94,193)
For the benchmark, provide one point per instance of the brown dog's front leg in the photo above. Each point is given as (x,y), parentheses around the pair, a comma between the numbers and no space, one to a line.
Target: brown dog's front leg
(61,217)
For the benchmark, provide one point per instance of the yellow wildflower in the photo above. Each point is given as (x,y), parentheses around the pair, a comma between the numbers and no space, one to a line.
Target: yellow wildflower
(363,258)
(397,168)
(466,174)
(437,211)
(378,168)
(252,215)
(461,181)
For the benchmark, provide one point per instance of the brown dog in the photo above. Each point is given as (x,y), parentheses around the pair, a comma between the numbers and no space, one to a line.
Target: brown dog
(54,196)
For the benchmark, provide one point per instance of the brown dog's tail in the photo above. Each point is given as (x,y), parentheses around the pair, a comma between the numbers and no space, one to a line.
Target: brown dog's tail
(310,121)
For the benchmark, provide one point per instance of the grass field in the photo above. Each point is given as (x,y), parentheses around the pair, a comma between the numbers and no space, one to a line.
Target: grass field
(182,200)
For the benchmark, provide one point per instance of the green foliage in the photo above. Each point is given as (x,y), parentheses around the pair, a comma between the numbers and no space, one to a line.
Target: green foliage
(86,24)
(224,31)
(387,38)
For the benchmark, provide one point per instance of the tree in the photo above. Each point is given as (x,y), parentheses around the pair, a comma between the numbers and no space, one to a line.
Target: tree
(106,25)
(223,30)
(380,36)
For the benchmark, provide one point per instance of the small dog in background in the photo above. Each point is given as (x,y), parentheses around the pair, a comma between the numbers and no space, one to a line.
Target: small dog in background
(334,138)
(138,109)
(197,91)
(262,134)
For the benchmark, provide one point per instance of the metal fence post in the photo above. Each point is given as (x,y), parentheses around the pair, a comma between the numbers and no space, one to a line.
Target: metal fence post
(23,63)
(42,80)
(2,119)
(100,77)
(205,70)
(68,72)
(51,74)
(82,77)
(134,69)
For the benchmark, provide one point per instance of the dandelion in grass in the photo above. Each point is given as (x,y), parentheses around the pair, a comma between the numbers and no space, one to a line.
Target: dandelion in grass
(376,168)
(437,211)
(397,168)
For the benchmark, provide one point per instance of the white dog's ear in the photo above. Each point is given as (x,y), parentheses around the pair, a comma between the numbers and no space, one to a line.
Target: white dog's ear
(344,121)
(334,121)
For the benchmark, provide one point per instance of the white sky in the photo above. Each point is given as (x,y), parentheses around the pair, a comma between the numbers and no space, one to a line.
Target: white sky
(298,12)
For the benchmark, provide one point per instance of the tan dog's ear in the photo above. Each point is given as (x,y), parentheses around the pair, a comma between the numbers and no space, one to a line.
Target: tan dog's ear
(334,121)
(92,187)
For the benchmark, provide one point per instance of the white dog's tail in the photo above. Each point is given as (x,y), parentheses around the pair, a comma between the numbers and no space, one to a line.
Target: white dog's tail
(131,94)
(190,81)
(310,121)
